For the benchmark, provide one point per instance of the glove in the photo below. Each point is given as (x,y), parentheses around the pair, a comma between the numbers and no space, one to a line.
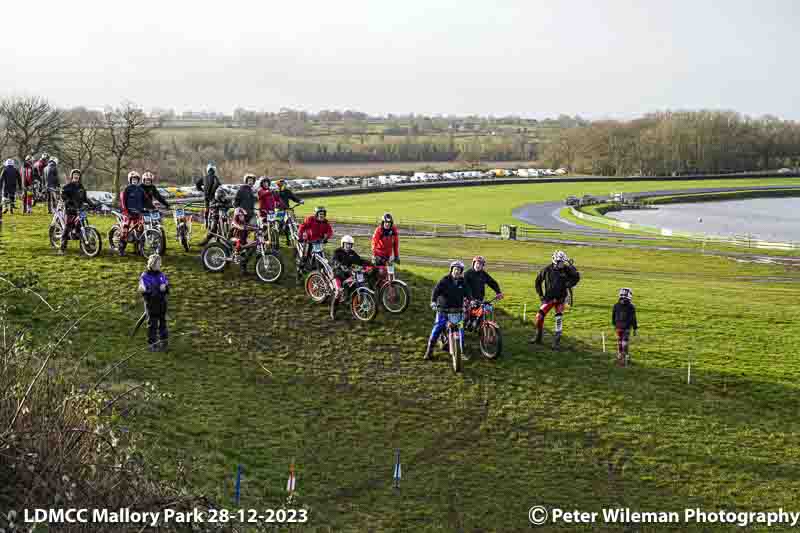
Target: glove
(397,260)
(163,287)
(302,202)
(500,296)
(324,241)
(433,306)
(634,332)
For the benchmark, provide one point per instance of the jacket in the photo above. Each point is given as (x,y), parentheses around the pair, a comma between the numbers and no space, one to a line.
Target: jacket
(267,199)
(51,176)
(27,174)
(342,260)
(385,243)
(450,292)
(477,281)
(313,230)
(74,196)
(285,195)
(209,185)
(38,169)
(245,198)
(132,199)
(150,284)
(623,316)
(150,194)
(556,282)
(11,179)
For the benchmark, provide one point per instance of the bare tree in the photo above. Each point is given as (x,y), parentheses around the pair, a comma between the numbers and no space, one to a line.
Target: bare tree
(126,134)
(32,124)
(81,146)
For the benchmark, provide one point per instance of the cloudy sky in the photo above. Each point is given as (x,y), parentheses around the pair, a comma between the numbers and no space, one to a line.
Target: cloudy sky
(536,58)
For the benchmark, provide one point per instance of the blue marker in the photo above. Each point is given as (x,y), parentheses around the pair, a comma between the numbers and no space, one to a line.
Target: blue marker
(398,471)
(238,482)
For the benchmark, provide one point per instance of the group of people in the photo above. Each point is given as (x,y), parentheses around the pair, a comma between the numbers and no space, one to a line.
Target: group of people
(43,171)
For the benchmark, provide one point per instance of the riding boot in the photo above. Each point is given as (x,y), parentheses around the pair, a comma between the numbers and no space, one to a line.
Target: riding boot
(429,350)
(557,342)
(538,338)
(334,301)
(123,243)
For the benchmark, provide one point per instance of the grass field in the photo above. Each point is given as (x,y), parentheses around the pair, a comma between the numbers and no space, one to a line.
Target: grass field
(492,205)
(534,428)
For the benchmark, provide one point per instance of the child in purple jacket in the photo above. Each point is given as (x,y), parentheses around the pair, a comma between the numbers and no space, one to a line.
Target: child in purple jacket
(154,286)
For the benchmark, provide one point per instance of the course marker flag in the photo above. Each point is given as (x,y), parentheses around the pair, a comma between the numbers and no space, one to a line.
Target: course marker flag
(398,470)
(292,481)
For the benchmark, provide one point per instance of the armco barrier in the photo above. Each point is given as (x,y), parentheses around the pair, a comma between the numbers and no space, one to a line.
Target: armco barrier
(748,241)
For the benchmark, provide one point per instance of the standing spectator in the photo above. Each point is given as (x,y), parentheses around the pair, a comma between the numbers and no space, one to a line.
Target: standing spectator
(623,318)
(11,179)
(27,185)
(154,287)
(53,184)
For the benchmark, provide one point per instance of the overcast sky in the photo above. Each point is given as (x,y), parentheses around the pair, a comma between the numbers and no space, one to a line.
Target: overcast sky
(536,58)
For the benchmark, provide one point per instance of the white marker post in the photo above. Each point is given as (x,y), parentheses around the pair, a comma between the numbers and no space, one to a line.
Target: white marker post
(689,372)
(603,335)
(524,312)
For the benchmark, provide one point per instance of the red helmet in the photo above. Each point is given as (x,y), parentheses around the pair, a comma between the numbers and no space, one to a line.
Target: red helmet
(478,259)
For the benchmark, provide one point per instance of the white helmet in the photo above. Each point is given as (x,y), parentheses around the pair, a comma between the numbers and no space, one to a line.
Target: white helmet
(133,175)
(211,166)
(559,257)
(54,160)
(626,294)
(10,163)
(347,239)
(148,176)
(45,155)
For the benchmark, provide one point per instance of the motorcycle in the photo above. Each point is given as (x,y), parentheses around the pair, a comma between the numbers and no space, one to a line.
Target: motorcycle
(363,304)
(147,241)
(87,236)
(319,284)
(39,192)
(218,223)
(270,224)
(183,226)
(152,220)
(481,319)
(216,256)
(451,338)
(393,294)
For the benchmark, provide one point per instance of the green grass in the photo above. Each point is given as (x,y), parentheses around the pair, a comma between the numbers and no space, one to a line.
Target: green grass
(492,205)
(566,430)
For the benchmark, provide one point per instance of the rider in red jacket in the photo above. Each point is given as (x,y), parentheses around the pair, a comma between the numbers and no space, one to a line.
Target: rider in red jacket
(267,199)
(27,186)
(314,228)
(386,242)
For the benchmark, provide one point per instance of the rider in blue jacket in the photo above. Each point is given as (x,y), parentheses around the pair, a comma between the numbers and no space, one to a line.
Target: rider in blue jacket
(154,287)
(449,293)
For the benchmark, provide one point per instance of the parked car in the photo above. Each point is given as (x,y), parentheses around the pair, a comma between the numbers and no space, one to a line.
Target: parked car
(572,200)
(588,199)
(101,197)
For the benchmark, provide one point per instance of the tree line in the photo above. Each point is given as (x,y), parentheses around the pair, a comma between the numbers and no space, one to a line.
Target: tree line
(674,143)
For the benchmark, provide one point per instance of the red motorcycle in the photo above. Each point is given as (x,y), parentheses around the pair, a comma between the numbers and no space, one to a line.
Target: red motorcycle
(393,294)
(480,318)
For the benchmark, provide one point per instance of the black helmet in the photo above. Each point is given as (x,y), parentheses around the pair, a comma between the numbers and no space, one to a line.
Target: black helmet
(387,217)
(220,195)
(320,210)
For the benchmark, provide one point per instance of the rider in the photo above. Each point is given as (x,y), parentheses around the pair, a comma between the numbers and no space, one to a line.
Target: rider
(246,196)
(477,278)
(557,277)
(132,201)
(623,318)
(267,199)
(39,166)
(52,182)
(449,293)
(314,228)
(154,287)
(239,228)
(74,196)
(27,185)
(386,242)
(11,179)
(209,185)
(343,259)
(220,202)
(284,195)
(151,192)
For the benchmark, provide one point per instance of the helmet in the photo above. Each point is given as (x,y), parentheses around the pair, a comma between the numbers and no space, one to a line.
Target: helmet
(211,168)
(154,262)
(320,210)
(133,174)
(239,213)
(249,177)
(75,171)
(559,257)
(457,264)
(347,239)
(10,163)
(281,183)
(148,176)
(478,259)
(45,155)
(264,180)
(387,217)
(28,158)
(626,294)
(220,195)
(54,160)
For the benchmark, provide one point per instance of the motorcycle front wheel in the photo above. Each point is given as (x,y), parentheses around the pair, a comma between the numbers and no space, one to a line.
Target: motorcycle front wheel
(363,306)
(395,297)
(91,243)
(113,238)
(491,341)
(455,350)
(269,268)
(55,235)
(151,243)
(183,238)
(317,287)
(214,257)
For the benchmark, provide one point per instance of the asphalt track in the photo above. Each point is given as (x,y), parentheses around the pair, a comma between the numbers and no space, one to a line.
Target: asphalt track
(546,214)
